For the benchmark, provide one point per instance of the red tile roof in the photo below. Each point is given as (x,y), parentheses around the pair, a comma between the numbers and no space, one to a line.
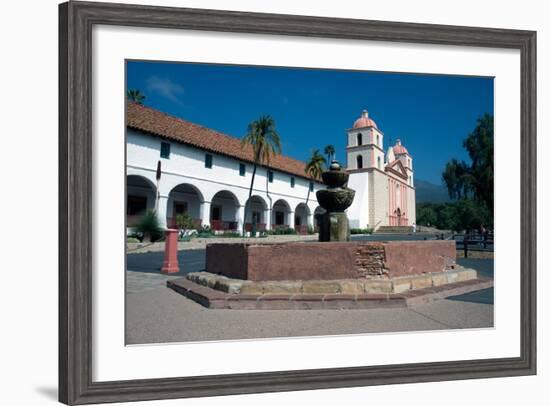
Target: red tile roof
(157,123)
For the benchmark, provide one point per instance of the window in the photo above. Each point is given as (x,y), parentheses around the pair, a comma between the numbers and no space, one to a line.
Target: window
(270,176)
(311,186)
(242,169)
(378,162)
(359,139)
(359,161)
(292,181)
(409,163)
(208,161)
(165,150)
(377,140)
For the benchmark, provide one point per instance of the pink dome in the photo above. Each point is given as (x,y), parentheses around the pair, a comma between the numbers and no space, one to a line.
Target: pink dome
(399,149)
(364,121)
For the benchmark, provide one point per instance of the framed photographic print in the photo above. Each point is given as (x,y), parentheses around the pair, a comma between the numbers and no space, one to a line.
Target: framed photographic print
(259,202)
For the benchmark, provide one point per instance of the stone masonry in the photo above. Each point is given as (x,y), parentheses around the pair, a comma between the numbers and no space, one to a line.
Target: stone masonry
(369,260)
(330,260)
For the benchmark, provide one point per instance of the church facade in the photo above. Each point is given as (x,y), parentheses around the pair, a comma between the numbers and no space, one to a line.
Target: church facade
(383,180)
(174,166)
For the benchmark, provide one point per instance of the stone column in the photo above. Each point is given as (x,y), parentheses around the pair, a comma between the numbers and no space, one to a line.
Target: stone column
(205,213)
(310,220)
(240,218)
(162,210)
(291,219)
(267,219)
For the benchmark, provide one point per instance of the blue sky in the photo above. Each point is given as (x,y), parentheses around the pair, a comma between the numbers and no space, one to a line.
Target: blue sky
(431,114)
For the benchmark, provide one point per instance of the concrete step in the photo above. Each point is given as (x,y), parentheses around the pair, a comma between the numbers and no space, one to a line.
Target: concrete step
(394,229)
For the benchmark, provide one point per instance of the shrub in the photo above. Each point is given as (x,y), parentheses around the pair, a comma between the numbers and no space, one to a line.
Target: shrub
(361,231)
(149,226)
(310,230)
(281,231)
(184,221)
(132,239)
(205,232)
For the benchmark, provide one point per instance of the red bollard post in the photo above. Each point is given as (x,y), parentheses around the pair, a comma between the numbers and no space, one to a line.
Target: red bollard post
(170,264)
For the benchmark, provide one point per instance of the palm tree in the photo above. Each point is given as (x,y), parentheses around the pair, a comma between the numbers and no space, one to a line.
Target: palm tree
(314,167)
(135,95)
(329,152)
(265,141)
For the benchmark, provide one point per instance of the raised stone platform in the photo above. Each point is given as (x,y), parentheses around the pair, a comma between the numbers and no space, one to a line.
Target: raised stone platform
(329,260)
(216,299)
(397,284)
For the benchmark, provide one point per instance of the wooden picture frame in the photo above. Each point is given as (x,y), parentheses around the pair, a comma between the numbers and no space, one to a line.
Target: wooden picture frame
(75,185)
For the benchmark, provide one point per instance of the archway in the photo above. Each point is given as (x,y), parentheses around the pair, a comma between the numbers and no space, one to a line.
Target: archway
(280,214)
(184,198)
(255,214)
(301,216)
(140,197)
(224,211)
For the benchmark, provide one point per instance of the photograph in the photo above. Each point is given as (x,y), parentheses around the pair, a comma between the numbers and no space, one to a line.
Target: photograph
(270,202)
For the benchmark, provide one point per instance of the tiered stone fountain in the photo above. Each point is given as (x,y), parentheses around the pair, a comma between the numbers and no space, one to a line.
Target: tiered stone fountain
(335,199)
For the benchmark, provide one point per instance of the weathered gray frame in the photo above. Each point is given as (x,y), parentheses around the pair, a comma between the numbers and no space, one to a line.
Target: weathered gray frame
(75,187)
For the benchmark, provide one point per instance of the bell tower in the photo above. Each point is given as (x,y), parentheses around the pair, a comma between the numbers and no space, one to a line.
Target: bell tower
(365,146)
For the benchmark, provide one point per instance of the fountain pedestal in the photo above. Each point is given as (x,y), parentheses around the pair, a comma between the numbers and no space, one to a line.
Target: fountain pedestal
(335,199)
(334,227)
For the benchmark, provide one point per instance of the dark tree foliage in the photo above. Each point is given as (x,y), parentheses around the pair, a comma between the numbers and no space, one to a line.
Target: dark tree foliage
(474,181)
(480,147)
(461,215)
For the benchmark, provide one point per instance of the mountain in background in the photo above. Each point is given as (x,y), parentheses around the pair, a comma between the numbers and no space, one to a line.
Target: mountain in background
(429,192)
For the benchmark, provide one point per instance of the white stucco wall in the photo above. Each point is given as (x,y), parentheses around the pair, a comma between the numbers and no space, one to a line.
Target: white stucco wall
(379,214)
(358,212)
(186,165)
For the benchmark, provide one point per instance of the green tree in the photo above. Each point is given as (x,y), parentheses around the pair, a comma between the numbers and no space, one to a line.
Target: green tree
(262,136)
(329,152)
(448,218)
(314,165)
(135,95)
(480,147)
(476,180)
(472,215)
(426,215)
(457,177)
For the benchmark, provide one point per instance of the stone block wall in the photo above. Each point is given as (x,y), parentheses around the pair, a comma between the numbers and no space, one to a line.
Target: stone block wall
(330,260)
(369,260)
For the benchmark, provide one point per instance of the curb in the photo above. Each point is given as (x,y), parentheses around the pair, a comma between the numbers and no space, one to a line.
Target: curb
(214,299)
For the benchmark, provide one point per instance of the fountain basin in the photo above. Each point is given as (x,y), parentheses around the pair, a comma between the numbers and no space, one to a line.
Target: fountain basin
(335,200)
